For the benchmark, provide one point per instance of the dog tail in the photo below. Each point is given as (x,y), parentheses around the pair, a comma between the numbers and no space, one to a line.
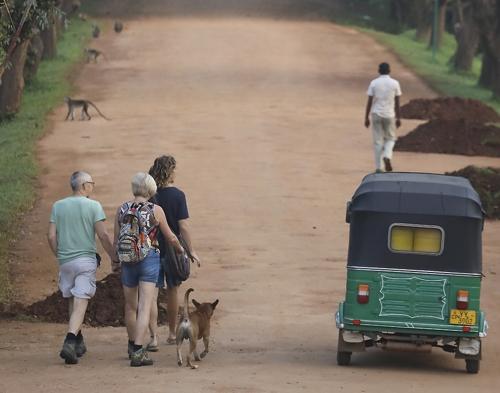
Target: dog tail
(186,303)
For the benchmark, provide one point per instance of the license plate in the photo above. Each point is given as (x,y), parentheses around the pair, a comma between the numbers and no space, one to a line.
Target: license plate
(462,317)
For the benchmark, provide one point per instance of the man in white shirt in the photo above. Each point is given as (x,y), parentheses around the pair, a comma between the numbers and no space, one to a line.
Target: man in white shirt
(383,105)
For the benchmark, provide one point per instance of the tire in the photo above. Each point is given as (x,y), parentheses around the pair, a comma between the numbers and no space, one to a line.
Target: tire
(343,358)
(472,366)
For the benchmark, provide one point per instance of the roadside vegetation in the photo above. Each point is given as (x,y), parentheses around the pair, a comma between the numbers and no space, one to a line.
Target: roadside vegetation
(19,133)
(438,72)
(465,36)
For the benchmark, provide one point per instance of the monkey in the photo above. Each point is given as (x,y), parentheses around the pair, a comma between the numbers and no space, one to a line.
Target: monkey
(93,54)
(95,31)
(84,104)
(118,26)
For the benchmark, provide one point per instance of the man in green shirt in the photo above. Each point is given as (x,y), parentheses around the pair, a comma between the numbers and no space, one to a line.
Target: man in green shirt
(74,222)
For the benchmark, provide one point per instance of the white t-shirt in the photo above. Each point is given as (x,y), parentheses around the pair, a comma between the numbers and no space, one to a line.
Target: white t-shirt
(384,89)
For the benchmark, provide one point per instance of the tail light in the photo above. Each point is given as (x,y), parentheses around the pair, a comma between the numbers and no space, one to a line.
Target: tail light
(462,299)
(363,293)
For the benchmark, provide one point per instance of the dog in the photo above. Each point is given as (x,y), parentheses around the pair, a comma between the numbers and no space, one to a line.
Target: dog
(194,326)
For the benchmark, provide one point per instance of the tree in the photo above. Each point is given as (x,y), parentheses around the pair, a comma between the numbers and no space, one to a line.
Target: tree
(423,20)
(438,28)
(466,35)
(19,21)
(487,16)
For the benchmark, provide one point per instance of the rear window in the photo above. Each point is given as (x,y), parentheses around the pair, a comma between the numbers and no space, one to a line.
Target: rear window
(416,239)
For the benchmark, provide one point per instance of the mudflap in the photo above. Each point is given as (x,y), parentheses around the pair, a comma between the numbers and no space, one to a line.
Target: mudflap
(344,346)
(478,356)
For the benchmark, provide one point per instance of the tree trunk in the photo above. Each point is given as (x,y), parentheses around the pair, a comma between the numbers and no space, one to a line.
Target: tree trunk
(424,22)
(467,36)
(441,22)
(34,57)
(487,14)
(60,25)
(397,15)
(49,38)
(11,88)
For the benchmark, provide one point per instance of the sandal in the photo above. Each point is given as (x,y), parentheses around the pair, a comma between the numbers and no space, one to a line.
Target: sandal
(152,347)
(171,341)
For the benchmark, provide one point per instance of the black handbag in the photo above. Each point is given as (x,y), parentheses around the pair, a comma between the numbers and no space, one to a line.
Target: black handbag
(179,263)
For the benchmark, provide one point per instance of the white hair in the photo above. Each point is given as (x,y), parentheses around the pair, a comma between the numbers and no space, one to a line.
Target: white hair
(78,178)
(143,185)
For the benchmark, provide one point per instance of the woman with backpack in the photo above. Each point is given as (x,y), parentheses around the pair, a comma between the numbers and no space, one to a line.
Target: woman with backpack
(173,202)
(136,241)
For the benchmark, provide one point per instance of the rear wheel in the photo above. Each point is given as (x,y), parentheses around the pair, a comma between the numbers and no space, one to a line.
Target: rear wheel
(343,358)
(472,366)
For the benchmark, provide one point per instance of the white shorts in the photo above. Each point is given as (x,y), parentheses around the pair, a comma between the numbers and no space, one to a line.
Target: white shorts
(77,278)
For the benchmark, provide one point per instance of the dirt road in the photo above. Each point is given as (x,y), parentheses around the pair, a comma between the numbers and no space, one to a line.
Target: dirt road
(265,119)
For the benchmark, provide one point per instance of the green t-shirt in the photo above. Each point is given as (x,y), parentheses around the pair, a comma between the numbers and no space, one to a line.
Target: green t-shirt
(75,217)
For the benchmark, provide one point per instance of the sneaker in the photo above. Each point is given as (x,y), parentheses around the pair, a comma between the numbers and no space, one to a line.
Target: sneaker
(387,163)
(140,358)
(68,352)
(80,347)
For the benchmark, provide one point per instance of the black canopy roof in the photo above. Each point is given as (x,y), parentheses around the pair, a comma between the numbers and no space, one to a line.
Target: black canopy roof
(419,193)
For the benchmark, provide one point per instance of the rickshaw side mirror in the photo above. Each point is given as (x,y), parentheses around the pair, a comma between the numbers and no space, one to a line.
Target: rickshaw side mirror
(348,212)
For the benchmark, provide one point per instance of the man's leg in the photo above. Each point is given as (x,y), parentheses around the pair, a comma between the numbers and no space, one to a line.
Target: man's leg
(77,315)
(378,141)
(389,126)
(77,283)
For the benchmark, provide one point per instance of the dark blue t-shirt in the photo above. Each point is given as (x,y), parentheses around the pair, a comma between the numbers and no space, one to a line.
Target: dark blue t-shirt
(173,202)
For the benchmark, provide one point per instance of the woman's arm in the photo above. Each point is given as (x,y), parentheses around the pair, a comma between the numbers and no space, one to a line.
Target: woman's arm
(185,233)
(165,229)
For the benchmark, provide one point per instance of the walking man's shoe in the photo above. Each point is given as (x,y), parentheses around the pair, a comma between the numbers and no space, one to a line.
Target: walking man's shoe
(140,358)
(68,352)
(387,163)
(80,347)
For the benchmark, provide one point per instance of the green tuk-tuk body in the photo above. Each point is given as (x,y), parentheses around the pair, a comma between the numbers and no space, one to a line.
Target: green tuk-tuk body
(414,267)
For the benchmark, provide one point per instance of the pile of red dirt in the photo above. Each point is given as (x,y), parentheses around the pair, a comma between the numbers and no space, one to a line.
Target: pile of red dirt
(452,137)
(456,126)
(104,309)
(449,108)
(486,181)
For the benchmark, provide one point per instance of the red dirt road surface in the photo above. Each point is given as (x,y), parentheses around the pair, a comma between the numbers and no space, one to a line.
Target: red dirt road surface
(265,118)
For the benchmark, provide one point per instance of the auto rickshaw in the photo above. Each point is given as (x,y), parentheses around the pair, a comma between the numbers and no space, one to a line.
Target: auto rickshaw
(414,267)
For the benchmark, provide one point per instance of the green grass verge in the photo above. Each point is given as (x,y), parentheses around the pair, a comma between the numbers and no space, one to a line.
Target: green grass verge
(19,135)
(438,74)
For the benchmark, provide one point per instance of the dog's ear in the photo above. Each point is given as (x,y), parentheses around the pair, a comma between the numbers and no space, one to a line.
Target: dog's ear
(214,304)
(196,304)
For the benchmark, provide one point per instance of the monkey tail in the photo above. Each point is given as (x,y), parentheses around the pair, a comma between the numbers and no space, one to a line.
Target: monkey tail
(97,109)
(186,303)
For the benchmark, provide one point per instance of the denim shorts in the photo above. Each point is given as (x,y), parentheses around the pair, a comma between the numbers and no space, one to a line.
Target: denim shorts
(146,270)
